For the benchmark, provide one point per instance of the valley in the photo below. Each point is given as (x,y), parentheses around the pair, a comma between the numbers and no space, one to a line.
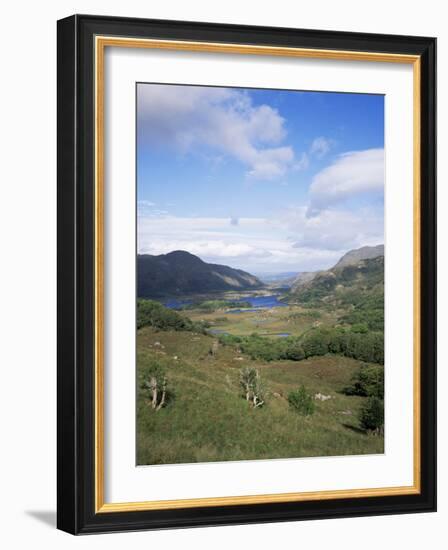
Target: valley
(267,316)
(324,335)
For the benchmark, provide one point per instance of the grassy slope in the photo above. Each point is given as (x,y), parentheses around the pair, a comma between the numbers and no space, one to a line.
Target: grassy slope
(209,420)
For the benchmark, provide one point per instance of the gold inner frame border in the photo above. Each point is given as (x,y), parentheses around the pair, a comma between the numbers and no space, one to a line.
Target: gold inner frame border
(101,42)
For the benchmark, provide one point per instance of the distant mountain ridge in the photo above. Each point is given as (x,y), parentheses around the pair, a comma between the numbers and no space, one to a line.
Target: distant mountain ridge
(352,257)
(181,273)
(274,277)
(357,280)
(364,253)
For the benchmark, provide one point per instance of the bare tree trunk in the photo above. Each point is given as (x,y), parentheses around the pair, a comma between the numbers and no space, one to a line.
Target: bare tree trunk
(162,400)
(258,403)
(247,392)
(154,392)
(214,348)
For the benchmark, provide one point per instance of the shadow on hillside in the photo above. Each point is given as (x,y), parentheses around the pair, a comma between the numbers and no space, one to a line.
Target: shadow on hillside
(354,428)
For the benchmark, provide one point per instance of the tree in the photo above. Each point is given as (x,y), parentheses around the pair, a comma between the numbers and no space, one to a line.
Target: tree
(301,401)
(154,314)
(372,415)
(337,341)
(315,343)
(253,389)
(294,352)
(156,385)
(367,381)
(360,328)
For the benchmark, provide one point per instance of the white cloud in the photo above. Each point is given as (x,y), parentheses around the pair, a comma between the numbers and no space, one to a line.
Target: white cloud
(212,250)
(147,208)
(291,241)
(351,175)
(271,163)
(320,146)
(336,230)
(222,119)
(212,239)
(302,163)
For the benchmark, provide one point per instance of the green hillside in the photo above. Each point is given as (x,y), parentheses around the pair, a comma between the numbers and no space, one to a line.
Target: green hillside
(357,288)
(180,273)
(208,419)
(204,415)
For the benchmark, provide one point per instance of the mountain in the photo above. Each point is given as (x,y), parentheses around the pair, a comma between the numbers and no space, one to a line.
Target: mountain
(303,277)
(277,277)
(328,286)
(180,273)
(352,257)
(355,282)
(365,253)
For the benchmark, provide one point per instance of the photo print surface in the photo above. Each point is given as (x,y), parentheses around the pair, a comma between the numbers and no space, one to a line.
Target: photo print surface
(260,274)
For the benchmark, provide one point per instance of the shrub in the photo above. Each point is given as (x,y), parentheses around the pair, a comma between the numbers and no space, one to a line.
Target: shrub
(294,351)
(229,339)
(301,401)
(315,343)
(221,320)
(337,342)
(367,381)
(378,347)
(154,314)
(265,349)
(368,309)
(372,415)
(360,328)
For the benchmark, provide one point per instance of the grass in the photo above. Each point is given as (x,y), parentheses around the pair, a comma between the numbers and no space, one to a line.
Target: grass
(207,419)
(293,320)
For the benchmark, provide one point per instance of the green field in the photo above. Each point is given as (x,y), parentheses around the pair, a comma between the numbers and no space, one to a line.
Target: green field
(206,417)
(292,320)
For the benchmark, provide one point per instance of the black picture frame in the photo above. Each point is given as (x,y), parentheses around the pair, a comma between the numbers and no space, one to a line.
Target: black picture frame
(76,256)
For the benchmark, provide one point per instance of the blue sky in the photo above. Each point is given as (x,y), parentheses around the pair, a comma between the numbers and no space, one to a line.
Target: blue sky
(263,180)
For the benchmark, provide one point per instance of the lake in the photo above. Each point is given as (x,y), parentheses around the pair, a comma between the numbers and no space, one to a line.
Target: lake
(256,302)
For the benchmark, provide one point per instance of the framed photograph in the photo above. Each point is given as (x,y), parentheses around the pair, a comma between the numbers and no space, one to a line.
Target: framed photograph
(246,274)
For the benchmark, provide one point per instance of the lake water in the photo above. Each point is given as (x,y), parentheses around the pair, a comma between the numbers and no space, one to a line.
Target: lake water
(256,302)
(259,302)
